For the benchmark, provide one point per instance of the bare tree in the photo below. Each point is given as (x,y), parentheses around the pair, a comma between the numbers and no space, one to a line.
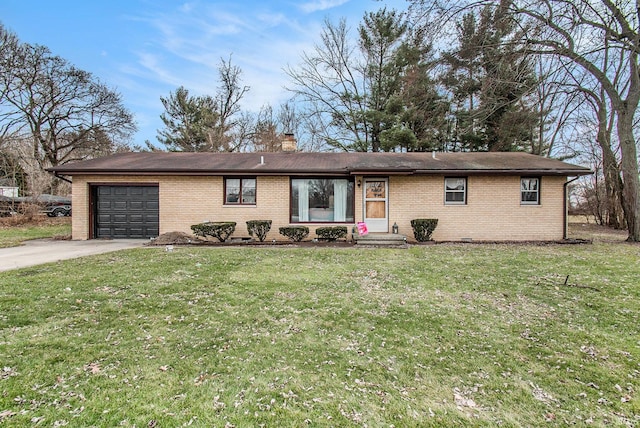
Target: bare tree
(352,87)
(266,137)
(8,45)
(556,103)
(271,126)
(329,81)
(589,34)
(314,128)
(66,112)
(207,123)
(227,135)
(606,163)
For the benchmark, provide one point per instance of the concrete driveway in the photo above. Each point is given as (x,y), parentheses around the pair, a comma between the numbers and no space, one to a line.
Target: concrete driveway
(41,251)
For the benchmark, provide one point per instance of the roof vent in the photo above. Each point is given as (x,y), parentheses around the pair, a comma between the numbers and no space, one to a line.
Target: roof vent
(289,143)
(261,160)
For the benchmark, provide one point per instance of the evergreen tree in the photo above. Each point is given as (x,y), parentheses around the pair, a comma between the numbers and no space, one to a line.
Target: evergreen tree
(383,43)
(425,111)
(188,122)
(404,110)
(368,97)
(462,79)
(491,81)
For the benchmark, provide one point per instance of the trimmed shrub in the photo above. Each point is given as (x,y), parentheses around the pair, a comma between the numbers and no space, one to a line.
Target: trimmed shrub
(423,228)
(332,233)
(259,228)
(220,230)
(295,233)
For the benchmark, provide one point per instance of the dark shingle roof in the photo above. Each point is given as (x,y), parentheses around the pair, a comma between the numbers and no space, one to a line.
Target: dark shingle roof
(303,163)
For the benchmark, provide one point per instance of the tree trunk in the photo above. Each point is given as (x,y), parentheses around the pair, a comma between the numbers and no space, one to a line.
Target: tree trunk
(612,182)
(631,181)
(614,191)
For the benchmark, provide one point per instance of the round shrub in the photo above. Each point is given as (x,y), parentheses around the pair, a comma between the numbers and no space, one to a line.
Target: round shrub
(423,228)
(295,233)
(332,233)
(259,228)
(221,230)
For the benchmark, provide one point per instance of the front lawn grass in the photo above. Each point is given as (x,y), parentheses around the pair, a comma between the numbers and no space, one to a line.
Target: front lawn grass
(439,335)
(43,227)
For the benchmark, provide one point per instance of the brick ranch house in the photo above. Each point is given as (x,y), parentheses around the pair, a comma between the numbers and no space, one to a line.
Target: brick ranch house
(474,196)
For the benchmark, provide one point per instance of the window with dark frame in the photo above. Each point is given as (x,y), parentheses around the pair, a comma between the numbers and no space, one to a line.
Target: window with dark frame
(530,190)
(322,200)
(455,190)
(240,191)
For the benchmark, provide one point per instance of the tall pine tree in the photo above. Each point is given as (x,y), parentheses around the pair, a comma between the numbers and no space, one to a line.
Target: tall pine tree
(490,81)
(188,122)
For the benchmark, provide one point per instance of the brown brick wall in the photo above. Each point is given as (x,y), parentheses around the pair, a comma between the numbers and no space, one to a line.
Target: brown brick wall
(493,210)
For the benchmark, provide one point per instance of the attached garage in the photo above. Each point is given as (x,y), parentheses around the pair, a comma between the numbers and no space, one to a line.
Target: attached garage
(125,211)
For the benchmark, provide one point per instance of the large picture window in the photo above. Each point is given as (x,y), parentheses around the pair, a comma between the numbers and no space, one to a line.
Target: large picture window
(455,190)
(530,190)
(240,191)
(322,200)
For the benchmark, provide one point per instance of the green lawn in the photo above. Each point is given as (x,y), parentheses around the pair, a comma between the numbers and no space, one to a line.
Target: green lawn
(11,236)
(439,335)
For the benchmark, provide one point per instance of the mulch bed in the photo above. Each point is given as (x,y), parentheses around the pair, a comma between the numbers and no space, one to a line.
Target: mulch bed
(181,238)
(581,233)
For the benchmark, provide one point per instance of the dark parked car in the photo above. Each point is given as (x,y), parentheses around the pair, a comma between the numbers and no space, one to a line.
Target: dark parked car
(55,206)
(51,205)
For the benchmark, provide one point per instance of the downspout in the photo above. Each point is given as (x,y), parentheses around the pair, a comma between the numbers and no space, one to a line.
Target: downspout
(565,232)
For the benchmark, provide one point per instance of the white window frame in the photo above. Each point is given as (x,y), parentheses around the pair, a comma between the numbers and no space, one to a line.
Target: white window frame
(524,191)
(455,191)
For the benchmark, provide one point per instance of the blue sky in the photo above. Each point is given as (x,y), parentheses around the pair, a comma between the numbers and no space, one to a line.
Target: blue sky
(147,48)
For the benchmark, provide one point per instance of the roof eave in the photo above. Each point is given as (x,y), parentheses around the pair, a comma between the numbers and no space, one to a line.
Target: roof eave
(547,172)
(381,171)
(183,172)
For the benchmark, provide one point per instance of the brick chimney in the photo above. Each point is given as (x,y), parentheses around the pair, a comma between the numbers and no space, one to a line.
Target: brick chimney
(289,143)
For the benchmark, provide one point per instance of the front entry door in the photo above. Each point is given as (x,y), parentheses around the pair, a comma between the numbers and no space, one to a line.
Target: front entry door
(376,201)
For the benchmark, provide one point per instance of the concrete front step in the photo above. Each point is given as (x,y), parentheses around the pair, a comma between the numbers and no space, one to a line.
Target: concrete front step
(381,239)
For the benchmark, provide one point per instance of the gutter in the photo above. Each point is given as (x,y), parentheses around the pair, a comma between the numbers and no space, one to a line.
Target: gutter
(62,178)
(244,172)
(565,210)
(512,172)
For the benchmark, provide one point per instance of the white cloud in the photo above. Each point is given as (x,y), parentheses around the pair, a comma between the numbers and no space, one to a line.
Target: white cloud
(319,5)
(272,19)
(153,68)
(185,45)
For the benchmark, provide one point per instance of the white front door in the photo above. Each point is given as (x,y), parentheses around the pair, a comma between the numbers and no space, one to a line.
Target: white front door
(376,201)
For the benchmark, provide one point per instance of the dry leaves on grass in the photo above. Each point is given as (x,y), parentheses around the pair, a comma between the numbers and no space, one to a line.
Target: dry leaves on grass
(461,400)
(6,414)
(93,368)
(540,395)
(7,372)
